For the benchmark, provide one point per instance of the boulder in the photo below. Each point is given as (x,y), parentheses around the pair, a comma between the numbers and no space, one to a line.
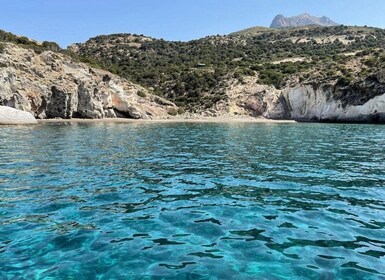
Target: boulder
(10,115)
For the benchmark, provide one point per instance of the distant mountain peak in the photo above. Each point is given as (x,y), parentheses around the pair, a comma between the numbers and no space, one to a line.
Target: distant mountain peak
(280,21)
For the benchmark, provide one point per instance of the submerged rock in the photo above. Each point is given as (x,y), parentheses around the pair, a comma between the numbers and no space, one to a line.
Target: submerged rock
(13,116)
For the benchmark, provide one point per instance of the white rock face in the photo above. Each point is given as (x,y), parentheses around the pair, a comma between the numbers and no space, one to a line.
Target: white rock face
(52,85)
(13,116)
(307,103)
(361,102)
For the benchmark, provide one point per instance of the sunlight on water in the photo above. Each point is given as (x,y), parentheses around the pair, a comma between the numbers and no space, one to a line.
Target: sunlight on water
(192,201)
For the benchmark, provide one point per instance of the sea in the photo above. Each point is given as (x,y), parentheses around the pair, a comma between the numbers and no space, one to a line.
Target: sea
(192,201)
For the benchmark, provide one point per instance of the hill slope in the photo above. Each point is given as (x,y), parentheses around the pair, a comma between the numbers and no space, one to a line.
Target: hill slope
(198,74)
(44,80)
(311,73)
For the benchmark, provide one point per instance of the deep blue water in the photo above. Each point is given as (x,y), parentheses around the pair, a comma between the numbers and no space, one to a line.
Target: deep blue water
(192,201)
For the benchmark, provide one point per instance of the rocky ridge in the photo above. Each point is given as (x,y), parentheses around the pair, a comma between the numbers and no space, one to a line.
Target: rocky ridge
(280,21)
(53,85)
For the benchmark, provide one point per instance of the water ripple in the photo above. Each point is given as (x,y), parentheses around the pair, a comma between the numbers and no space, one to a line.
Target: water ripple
(192,201)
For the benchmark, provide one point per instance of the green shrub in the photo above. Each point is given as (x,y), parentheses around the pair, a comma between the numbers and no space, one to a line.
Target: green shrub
(370,62)
(23,41)
(51,46)
(141,93)
(181,111)
(172,112)
(344,81)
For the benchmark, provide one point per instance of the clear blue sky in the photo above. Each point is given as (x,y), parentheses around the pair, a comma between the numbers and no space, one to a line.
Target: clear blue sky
(70,21)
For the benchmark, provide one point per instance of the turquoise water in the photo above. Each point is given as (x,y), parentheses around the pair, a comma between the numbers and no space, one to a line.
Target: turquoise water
(192,201)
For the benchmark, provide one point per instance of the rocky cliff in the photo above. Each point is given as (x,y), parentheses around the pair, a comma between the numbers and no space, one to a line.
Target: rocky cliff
(359,102)
(281,21)
(53,85)
(319,101)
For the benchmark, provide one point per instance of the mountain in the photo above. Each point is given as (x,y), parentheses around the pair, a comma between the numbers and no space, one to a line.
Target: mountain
(281,21)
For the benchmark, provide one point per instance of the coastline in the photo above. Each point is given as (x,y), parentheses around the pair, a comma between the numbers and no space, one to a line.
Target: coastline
(235,119)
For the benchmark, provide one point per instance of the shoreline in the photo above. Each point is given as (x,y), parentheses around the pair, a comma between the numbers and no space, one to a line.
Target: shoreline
(242,119)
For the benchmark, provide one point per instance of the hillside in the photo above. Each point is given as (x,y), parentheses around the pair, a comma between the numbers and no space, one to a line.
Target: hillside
(252,31)
(281,21)
(307,73)
(198,74)
(50,83)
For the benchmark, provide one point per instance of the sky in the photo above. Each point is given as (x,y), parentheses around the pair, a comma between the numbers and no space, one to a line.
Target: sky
(73,21)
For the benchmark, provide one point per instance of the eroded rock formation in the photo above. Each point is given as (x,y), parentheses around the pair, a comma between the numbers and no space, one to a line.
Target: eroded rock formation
(52,85)
(362,101)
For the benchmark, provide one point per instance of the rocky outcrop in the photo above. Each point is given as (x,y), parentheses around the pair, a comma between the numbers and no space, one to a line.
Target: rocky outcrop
(362,101)
(12,116)
(281,21)
(250,98)
(53,85)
